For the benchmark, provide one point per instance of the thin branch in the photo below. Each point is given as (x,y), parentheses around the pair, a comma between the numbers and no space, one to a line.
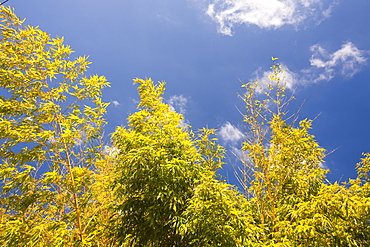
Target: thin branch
(4,2)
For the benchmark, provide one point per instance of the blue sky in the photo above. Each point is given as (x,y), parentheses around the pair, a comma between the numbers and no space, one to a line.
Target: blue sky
(204,48)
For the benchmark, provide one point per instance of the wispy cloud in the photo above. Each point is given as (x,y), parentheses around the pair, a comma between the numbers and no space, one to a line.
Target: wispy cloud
(266,13)
(345,62)
(115,103)
(178,103)
(263,77)
(230,134)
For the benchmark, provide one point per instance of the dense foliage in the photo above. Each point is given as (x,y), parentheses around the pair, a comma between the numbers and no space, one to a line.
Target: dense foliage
(156,182)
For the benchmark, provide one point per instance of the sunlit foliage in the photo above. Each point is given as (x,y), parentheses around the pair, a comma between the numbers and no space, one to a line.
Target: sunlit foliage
(51,118)
(156,182)
(294,203)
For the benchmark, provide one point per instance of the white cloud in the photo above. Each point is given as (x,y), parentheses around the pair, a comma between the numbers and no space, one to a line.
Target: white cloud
(265,13)
(347,61)
(178,103)
(323,165)
(263,77)
(111,151)
(135,101)
(229,133)
(115,103)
